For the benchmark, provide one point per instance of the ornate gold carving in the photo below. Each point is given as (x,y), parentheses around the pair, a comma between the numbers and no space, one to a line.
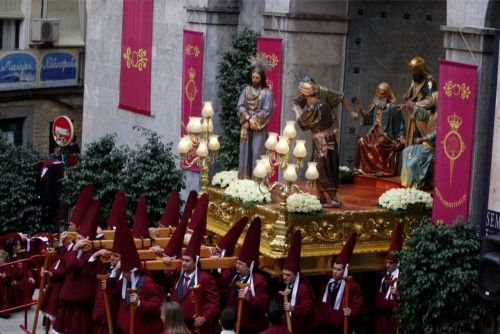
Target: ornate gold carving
(456,89)
(271,58)
(135,59)
(453,143)
(190,89)
(322,235)
(192,50)
(450,204)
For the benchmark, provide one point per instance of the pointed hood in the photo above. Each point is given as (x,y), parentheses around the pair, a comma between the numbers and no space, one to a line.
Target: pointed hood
(345,254)
(250,248)
(118,215)
(190,204)
(140,227)
(194,245)
(88,227)
(396,243)
(171,215)
(118,239)
(174,246)
(129,256)
(229,240)
(292,261)
(82,205)
(199,213)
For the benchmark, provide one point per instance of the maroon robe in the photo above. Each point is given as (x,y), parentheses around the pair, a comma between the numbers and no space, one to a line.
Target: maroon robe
(385,321)
(305,316)
(333,320)
(147,315)
(77,295)
(50,302)
(209,306)
(253,318)
(99,315)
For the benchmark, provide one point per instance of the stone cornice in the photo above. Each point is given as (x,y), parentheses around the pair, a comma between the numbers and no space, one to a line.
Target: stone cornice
(477,39)
(212,15)
(305,23)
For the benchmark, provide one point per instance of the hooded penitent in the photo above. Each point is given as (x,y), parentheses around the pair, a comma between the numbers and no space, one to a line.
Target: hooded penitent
(82,205)
(171,215)
(140,227)
(118,215)
(88,227)
(228,242)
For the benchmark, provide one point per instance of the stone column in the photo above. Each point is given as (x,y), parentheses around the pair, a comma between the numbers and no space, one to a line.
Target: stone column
(475,46)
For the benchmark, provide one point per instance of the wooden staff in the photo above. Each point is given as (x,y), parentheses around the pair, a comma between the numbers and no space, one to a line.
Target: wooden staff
(345,302)
(48,256)
(240,306)
(103,278)
(285,294)
(196,299)
(132,312)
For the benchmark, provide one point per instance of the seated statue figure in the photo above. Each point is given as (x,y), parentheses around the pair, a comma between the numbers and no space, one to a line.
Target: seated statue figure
(378,150)
(418,163)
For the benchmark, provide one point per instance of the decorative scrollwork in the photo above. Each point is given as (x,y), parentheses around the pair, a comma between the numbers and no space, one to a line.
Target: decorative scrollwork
(135,59)
(192,50)
(456,89)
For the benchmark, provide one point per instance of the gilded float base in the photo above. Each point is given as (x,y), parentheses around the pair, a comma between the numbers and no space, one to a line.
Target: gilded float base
(322,235)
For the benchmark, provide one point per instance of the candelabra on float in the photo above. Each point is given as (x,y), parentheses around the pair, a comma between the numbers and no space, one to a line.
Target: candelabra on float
(199,147)
(278,154)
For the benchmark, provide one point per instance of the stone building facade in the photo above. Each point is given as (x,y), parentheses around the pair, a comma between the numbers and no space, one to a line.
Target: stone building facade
(345,45)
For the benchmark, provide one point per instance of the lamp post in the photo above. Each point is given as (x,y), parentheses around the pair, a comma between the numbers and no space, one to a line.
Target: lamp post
(278,154)
(199,147)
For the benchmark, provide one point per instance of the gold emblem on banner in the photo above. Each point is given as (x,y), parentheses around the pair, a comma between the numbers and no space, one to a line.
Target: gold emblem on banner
(451,88)
(271,58)
(192,50)
(453,143)
(135,59)
(190,88)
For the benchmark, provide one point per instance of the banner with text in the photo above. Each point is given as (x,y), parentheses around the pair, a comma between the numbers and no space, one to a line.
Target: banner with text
(454,140)
(135,64)
(491,221)
(192,80)
(272,49)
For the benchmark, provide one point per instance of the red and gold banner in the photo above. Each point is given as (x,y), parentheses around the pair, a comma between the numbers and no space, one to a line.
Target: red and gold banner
(192,79)
(454,140)
(135,68)
(272,49)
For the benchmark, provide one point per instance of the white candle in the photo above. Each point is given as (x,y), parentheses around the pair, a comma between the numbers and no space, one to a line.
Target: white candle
(312,172)
(271,141)
(196,126)
(202,150)
(289,130)
(282,146)
(208,110)
(213,144)
(267,162)
(260,171)
(300,149)
(290,174)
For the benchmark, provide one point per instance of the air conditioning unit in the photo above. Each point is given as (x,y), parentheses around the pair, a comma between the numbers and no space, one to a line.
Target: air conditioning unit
(45,30)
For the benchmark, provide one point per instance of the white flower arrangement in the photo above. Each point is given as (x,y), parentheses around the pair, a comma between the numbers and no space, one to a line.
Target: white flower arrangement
(224,178)
(400,198)
(303,203)
(248,192)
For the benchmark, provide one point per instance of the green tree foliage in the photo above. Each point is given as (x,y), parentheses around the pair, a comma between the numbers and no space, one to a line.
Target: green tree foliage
(152,170)
(102,163)
(233,74)
(20,209)
(438,288)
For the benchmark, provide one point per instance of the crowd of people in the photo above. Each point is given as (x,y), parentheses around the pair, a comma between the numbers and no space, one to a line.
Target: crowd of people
(91,289)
